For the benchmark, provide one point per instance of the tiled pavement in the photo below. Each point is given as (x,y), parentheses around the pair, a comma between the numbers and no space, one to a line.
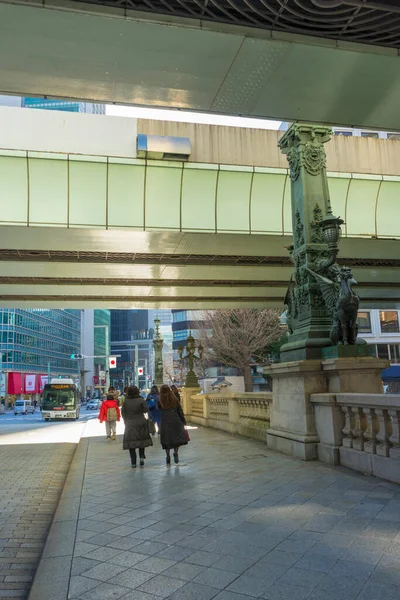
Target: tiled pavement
(31,480)
(233,521)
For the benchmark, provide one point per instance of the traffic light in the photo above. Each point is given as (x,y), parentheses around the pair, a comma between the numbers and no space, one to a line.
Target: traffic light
(140,371)
(76,356)
(112,362)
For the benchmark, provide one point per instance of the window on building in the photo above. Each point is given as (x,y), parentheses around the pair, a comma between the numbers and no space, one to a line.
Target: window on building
(389,321)
(345,132)
(382,351)
(393,136)
(370,134)
(394,350)
(364,321)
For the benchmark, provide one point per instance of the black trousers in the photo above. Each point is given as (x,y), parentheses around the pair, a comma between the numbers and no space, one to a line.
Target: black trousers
(132,452)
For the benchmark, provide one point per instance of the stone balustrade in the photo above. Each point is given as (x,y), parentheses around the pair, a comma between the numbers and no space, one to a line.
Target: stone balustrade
(360,431)
(246,414)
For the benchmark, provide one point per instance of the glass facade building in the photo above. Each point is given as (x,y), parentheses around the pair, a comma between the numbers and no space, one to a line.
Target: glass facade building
(102,320)
(33,338)
(131,337)
(185,322)
(64,105)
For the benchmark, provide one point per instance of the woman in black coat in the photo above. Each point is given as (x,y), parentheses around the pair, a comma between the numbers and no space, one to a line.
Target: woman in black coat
(136,433)
(172,429)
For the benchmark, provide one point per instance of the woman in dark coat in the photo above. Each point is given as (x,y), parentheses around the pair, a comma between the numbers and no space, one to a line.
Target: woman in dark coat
(153,406)
(136,433)
(172,430)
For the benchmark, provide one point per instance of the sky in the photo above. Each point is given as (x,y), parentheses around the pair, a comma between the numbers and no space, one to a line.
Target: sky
(189,117)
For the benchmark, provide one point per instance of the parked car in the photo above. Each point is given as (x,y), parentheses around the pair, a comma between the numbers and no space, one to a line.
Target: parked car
(93,405)
(23,407)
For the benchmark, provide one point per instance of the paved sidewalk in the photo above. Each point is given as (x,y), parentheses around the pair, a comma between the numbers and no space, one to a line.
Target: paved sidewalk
(233,521)
(31,481)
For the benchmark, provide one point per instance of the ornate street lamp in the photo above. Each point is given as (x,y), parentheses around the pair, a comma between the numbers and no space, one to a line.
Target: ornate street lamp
(332,232)
(158,344)
(191,380)
(331,229)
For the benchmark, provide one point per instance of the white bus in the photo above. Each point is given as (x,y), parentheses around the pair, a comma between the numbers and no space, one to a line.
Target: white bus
(60,400)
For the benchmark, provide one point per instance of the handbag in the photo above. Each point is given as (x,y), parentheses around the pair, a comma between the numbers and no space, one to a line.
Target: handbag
(151,426)
(187,435)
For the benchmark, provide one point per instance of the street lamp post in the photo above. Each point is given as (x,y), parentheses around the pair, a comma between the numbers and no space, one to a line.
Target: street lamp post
(191,380)
(158,344)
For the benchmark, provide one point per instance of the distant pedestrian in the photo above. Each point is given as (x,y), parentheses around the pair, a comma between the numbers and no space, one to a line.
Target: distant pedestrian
(110,414)
(176,393)
(136,435)
(112,392)
(121,399)
(154,407)
(172,430)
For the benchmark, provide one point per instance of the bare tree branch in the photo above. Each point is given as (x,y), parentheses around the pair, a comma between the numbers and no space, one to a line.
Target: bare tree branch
(240,336)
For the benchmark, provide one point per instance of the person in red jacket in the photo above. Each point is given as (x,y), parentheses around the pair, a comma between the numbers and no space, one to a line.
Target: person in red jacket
(110,414)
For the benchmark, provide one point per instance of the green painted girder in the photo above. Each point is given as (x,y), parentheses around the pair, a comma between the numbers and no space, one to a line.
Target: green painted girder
(76,267)
(99,192)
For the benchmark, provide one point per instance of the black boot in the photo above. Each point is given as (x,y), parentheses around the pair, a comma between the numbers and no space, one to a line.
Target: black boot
(168,460)
(176,458)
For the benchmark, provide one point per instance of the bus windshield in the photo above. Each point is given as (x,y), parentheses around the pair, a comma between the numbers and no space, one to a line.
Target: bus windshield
(58,398)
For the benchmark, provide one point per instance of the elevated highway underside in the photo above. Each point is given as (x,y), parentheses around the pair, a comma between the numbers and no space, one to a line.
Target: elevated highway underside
(336,65)
(47,267)
(84,222)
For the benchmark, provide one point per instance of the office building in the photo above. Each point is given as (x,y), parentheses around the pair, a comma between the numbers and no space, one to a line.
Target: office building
(96,331)
(38,341)
(53,104)
(64,105)
(185,322)
(354,132)
(132,333)
(381,329)
(132,338)
(102,338)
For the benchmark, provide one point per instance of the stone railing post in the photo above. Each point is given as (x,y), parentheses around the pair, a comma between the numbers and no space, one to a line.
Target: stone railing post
(329,420)
(233,407)
(384,432)
(206,407)
(348,427)
(359,427)
(371,431)
(186,402)
(395,437)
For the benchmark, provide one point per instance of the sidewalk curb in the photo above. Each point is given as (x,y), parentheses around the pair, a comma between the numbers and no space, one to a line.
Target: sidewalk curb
(54,570)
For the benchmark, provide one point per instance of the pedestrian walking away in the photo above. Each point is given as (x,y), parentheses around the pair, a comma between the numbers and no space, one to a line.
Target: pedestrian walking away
(154,407)
(136,435)
(110,414)
(121,398)
(172,429)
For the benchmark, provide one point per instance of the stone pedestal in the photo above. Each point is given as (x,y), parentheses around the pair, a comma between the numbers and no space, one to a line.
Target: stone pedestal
(293,427)
(185,398)
(191,380)
(354,375)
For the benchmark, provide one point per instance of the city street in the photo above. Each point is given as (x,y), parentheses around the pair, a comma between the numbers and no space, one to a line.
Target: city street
(35,457)
(32,429)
